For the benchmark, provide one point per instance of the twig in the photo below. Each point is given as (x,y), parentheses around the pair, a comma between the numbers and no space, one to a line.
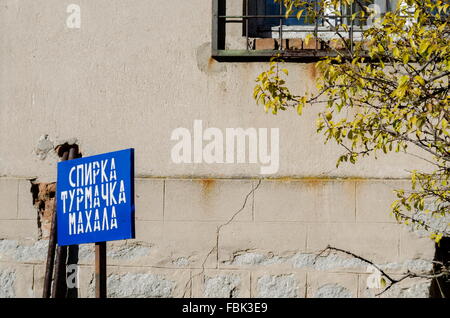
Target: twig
(443,272)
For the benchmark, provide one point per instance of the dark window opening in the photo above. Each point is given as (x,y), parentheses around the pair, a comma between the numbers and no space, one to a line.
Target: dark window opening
(258,29)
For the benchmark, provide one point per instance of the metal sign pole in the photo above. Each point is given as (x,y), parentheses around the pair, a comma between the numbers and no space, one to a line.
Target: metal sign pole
(100,269)
(47,290)
(113,213)
(60,284)
(50,258)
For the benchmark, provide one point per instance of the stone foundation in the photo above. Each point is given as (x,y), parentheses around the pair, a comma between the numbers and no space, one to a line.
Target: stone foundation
(201,238)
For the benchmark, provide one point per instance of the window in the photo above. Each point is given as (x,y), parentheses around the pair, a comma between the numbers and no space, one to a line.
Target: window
(257,29)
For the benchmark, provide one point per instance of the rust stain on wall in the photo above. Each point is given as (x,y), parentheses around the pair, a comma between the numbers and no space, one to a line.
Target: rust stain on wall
(211,63)
(313,183)
(312,71)
(207,186)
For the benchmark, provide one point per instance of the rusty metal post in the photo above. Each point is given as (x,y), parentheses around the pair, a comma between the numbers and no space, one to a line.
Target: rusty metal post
(100,270)
(72,259)
(60,283)
(51,248)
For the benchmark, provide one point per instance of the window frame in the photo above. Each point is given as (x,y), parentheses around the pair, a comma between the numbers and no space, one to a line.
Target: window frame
(220,53)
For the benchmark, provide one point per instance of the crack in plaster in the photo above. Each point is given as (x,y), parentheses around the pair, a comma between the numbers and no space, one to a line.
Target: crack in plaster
(219,228)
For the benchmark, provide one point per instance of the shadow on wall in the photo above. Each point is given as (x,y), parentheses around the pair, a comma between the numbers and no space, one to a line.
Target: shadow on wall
(440,287)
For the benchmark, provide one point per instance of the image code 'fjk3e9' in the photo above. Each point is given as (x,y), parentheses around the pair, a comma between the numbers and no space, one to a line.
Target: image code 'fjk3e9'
(95,198)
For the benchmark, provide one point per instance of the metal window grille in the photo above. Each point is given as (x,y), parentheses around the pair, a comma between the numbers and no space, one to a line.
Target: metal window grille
(267,26)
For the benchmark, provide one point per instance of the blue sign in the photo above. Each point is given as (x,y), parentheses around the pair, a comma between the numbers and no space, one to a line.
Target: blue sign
(95,198)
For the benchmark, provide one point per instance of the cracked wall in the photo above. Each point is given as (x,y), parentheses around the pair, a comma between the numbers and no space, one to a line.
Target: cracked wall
(223,238)
(200,229)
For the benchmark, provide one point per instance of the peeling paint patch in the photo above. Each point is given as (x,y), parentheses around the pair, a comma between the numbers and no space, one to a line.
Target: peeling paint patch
(138,286)
(332,291)
(46,146)
(254,259)
(222,286)
(35,252)
(44,201)
(421,290)
(43,147)
(436,222)
(334,261)
(415,265)
(7,279)
(181,262)
(322,263)
(86,252)
(411,289)
(299,260)
(129,251)
(279,286)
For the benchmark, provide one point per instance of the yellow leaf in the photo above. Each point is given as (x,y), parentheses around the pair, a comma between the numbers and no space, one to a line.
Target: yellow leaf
(383,282)
(419,80)
(307,38)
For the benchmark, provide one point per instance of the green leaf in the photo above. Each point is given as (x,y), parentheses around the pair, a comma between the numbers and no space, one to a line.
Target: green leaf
(383,282)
